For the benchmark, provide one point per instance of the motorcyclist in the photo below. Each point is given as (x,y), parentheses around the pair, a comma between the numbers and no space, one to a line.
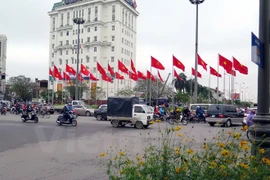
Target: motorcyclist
(70,107)
(186,111)
(65,112)
(29,109)
(157,110)
(161,111)
(250,117)
(200,112)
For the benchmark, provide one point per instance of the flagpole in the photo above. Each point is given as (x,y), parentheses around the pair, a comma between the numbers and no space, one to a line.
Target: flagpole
(114,84)
(209,93)
(191,84)
(157,93)
(172,84)
(224,89)
(232,85)
(118,82)
(53,91)
(218,80)
(108,83)
(150,88)
(229,87)
(97,75)
(63,92)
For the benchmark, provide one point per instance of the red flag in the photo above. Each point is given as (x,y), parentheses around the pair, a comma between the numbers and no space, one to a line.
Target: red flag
(150,76)
(198,74)
(56,73)
(100,69)
(160,77)
(135,4)
(70,70)
(133,67)
(141,75)
(202,63)
(119,76)
(93,78)
(122,67)
(214,72)
(110,69)
(106,78)
(51,73)
(178,64)
(156,64)
(176,75)
(84,70)
(133,76)
(225,63)
(240,67)
(232,72)
(80,78)
(66,77)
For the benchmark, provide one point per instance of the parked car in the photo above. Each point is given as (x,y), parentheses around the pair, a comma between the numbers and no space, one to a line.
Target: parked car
(50,109)
(82,110)
(246,115)
(102,105)
(101,113)
(226,115)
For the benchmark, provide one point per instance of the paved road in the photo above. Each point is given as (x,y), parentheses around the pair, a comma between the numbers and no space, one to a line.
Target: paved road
(45,151)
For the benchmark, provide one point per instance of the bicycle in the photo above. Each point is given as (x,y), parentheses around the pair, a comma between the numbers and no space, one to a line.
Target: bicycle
(44,113)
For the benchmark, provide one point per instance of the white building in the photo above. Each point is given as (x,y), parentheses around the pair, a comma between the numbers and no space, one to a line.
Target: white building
(3,57)
(108,34)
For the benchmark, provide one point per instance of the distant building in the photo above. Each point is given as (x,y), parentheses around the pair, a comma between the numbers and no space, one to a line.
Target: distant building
(3,57)
(108,35)
(40,86)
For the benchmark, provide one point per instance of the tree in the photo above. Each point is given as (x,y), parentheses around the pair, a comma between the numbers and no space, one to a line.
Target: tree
(126,92)
(181,84)
(22,86)
(182,97)
(71,90)
(100,93)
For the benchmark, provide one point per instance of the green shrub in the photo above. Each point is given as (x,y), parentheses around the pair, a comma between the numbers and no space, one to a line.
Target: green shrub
(172,157)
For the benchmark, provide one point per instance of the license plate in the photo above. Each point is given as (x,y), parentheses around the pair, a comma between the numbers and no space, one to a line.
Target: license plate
(213,115)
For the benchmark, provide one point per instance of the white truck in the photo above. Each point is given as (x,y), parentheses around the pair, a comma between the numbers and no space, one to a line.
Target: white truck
(122,111)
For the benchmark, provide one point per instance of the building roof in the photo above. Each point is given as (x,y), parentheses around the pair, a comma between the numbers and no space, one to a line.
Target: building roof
(56,5)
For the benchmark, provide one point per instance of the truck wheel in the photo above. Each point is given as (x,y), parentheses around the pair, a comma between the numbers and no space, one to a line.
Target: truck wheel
(99,117)
(139,125)
(115,123)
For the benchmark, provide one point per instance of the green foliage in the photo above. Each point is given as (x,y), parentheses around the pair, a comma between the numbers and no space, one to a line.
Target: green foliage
(182,97)
(125,92)
(172,156)
(22,86)
(81,88)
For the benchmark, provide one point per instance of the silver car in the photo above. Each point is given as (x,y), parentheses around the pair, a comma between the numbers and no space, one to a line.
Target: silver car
(82,110)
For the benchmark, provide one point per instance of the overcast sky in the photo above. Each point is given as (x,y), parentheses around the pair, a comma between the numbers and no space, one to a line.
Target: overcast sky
(163,29)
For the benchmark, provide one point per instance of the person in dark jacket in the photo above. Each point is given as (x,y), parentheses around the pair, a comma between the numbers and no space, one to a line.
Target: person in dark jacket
(65,112)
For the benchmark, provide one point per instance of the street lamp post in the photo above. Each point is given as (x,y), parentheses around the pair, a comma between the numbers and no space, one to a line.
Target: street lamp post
(196,2)
(240,89)
(78,21)
(260,130)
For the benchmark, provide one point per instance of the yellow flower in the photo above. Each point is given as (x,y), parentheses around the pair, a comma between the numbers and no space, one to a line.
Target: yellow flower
(213,164)
(121,153)
(225,153)
(137,158)
(166,178)
(237,135)
(139,174)
(151,122)
(228,161)
(204,146)
(121,171)
(252,157)
(262,151)
(243,143)
(177,170)
(185,168)
(142,156)
(102,154)
(141,163)
(180,135)
(221,145)
(222,167)
(177,128)
(128,162)
(244,165)
(246,148)
(190,151)
(158,121)
(115,158)
(177,150)
(266,161)
(230,133)
(186,140)
(255,170)
(229,143)
(244,128)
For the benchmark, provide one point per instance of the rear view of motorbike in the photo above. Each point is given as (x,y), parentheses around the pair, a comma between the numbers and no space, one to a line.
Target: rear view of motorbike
(62,120)
(32,116)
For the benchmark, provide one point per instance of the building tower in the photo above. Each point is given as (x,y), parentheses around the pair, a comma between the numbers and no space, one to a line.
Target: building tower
(108,35)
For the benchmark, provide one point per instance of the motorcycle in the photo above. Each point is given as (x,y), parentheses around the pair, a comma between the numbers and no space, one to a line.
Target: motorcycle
(4,111)
(172,120)
(31,116)
(13,110)
(72,120)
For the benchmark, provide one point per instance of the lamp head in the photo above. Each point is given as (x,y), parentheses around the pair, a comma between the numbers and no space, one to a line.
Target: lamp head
(196,1)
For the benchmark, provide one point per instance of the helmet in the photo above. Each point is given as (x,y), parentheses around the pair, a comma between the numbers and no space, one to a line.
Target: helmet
(185,107)
(65,105)
(198,106)
(69,104)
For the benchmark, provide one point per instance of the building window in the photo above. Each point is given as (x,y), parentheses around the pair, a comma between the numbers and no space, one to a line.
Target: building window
(66,61)
(53,46)
(112,48)
(82,12)
(72,41)
(81,60)
(113,38)
(95,59)
(82,51)
(89,14)
(95,38)
(60,61)
(113,9)
(60,52)
(131,54)
(72,61)
(88,39)
(67,33)
(94,70)
(52,63)
(61,33)
(122,30)
(123,14)
(68,17)
(66,52)
(113,17)
(88,29)
(95,49)
(95,28)
(122,40)
(82,31)
(67,42)
(73,32)
(52,54)
(72,51)
(82,41)
(132,45)
(113,28)
(112,59)
(122,50)
(87,59)
(53,36)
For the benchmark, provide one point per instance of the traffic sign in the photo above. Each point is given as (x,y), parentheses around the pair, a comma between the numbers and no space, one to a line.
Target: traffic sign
(256,50)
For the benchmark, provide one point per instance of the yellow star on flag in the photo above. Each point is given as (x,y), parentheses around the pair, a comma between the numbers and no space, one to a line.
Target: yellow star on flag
(224,63)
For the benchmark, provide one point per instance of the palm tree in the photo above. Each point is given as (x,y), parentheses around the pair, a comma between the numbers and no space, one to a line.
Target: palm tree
(180,85)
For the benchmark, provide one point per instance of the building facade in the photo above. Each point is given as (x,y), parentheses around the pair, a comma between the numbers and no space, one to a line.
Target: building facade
(3,57)
(108,35)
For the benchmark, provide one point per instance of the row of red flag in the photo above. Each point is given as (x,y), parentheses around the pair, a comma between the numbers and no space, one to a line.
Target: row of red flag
(229,67)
